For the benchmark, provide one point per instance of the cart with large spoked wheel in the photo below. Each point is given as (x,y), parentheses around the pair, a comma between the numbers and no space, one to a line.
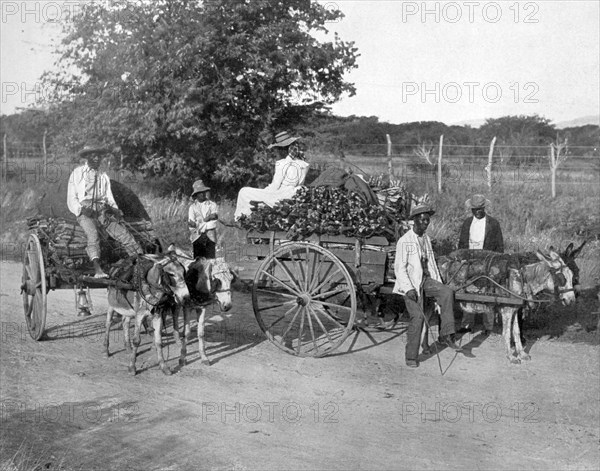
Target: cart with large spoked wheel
(55,257)
(307,294)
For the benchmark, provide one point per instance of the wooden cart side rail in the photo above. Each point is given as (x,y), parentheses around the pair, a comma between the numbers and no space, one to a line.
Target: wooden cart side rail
(318,238)
(367,266)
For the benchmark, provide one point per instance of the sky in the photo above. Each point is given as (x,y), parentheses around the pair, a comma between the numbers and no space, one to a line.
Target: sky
(453,62)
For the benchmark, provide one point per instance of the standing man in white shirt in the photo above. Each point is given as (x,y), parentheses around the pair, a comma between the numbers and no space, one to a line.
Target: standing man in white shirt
(480,232)
(417,276)
(202,221)
(90,199)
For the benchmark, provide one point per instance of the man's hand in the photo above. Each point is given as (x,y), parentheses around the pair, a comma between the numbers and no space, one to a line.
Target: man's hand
(412,295)
(212,217)
(89,212)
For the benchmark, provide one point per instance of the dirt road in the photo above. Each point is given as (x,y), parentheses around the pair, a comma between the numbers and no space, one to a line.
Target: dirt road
(65,406)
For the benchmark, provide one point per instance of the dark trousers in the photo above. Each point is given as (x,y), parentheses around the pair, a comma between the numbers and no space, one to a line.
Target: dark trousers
(444,296)
(204,247)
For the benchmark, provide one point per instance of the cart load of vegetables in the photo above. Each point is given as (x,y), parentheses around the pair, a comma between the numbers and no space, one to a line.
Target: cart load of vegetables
(67,241)
(332,211)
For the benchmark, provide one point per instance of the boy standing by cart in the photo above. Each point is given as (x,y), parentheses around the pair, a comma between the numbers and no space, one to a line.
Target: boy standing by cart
(202,222)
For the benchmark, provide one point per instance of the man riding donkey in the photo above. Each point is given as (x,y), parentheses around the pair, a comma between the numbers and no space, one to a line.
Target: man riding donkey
(90,199)
(417,276)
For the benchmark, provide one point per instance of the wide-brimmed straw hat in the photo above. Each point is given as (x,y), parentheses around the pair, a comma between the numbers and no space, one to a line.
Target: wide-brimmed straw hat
(421,209)
(477,202)
(199,187)
(93,149)
(283,139)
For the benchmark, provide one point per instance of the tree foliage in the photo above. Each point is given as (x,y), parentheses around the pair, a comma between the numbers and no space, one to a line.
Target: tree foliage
(197,89)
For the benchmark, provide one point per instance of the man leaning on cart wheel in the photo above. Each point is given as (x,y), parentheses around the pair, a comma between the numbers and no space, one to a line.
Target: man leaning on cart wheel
(417,275)
(90,199)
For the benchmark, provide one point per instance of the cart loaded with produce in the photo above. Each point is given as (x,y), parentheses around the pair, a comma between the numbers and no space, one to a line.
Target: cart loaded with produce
(314,258)
(55,254)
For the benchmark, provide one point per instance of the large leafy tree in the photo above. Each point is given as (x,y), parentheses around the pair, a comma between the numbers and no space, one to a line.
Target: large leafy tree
(194,88)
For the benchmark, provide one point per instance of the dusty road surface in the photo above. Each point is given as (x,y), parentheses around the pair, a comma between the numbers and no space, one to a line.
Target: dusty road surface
(65,406)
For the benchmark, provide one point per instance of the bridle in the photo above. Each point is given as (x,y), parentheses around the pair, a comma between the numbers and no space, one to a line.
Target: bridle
(223,270)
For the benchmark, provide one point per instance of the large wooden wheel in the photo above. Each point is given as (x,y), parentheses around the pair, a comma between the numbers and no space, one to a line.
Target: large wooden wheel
(33,288)
(304,299)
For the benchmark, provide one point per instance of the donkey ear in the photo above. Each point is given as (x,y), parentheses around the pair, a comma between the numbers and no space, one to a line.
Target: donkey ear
(576,251)
(155,274)
(568,250)
(542,257)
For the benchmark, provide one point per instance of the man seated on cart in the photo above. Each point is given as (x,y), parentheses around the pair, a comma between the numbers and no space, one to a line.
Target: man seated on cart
(417,276)
(90,199)
(290,172)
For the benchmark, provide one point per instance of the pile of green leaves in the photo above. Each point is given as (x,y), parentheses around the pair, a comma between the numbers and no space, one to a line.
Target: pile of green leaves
(322,210)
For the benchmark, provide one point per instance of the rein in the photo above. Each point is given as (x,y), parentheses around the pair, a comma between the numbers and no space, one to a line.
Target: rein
(473,280)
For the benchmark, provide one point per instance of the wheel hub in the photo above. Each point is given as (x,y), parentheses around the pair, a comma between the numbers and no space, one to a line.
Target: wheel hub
(303,299)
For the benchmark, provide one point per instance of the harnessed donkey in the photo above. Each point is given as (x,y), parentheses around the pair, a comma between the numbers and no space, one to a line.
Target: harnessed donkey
(158,280)
(209,282)
(550,273)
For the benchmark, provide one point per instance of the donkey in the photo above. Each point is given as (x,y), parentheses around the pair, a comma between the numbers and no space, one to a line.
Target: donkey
(157,278)
(209,281)
(550,273)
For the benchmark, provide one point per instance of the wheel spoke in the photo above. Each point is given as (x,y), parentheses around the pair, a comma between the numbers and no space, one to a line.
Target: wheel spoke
(300,331)
(298,267)
(274,306)
(288,273)
(291,323)
(330,293)
(307,262)
(335,306)
(316,272)
(281,283)
(310,325)
(278,293)
(323,311)
(320,324)
(283,317)
(325,281)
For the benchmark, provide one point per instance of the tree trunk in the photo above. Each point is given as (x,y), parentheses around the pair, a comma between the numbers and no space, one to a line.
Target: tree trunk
(439,169)
(389,155)
(489,165)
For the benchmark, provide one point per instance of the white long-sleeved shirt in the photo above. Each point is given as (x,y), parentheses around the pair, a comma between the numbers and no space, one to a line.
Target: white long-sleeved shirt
(81,189)
(477,233)
(198,213)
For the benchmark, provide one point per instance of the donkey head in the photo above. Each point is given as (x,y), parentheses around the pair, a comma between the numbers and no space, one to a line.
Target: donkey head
(569,256)
(561,276)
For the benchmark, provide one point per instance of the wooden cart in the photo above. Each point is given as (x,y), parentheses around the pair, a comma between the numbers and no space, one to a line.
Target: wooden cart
(305,294)
(51,264)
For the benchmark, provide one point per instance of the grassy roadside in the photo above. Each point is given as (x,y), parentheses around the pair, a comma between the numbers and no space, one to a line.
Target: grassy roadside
(529,218)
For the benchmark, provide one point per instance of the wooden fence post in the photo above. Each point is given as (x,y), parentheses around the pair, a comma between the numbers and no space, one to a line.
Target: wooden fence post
(389,155)
(5,148)
(439,169)
(488,168)
(45,153)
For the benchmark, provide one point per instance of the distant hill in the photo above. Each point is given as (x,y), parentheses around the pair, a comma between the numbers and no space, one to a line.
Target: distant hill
(583,121)
(595,120)
(474,123)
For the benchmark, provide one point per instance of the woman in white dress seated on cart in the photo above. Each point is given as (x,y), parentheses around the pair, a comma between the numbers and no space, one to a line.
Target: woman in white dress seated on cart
(290,172)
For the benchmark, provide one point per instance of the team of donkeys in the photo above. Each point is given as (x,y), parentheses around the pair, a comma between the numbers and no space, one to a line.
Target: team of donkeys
(177,283)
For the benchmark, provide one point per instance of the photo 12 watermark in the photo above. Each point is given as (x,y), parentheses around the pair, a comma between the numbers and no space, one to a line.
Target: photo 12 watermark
(469,92)
(67,412)
(270,412)
(470,12)
(471,412)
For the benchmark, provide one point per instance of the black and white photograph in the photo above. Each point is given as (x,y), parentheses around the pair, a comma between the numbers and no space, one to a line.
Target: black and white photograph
(242,235)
